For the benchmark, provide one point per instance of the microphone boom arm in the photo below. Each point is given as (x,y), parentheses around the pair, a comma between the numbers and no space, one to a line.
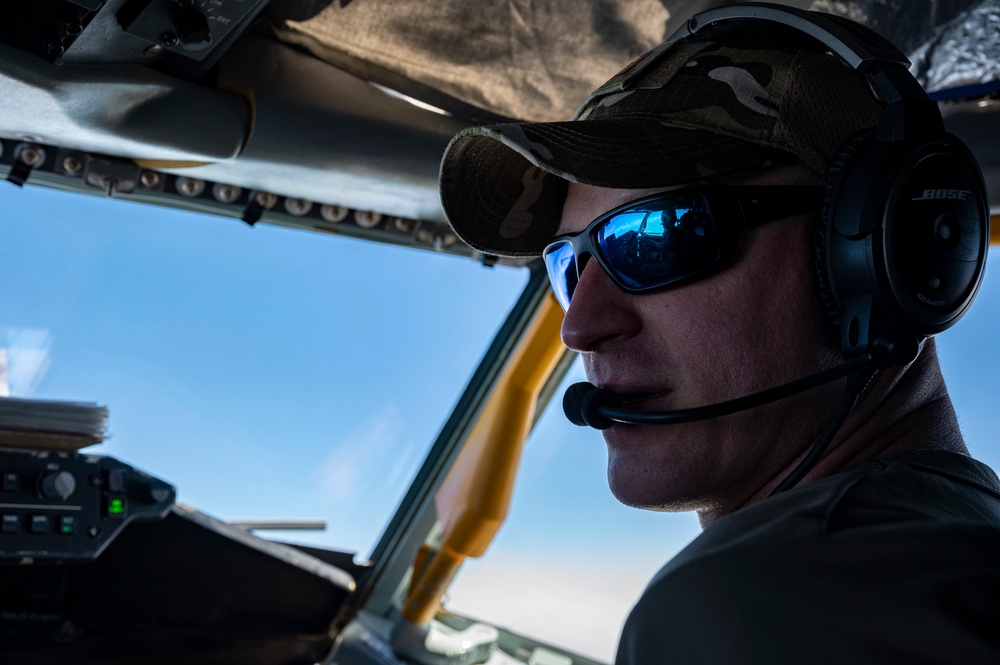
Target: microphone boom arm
(620,415)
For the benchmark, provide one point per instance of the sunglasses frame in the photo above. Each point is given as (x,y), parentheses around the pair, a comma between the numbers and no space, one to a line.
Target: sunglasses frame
(733,210)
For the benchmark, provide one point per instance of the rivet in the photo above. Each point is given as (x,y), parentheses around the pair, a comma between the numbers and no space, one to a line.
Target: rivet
(72,165)
(333,214)
(32,156)
(150,179)
(266,200)
(190,187)
(366,219)
(226,193)
(298,207)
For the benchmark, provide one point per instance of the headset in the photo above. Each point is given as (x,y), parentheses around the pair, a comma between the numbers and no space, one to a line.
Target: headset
(901,247)
(902,240)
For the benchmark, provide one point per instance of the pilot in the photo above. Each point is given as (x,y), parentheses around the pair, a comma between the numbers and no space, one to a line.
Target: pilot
(840,228)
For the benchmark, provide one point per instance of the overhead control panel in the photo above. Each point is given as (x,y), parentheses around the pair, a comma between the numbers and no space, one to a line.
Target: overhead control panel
(185,27)
(66,507)
(46,28)
(181,37)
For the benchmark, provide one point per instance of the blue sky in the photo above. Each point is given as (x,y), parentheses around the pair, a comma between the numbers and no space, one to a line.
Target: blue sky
(267,372)
(275,373)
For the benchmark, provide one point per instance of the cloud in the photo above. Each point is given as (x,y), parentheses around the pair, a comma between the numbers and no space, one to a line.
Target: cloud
(369,458)
(578,605)
(28,359)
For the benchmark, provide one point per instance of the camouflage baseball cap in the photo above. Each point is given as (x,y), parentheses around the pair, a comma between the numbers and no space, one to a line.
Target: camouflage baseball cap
(679,114)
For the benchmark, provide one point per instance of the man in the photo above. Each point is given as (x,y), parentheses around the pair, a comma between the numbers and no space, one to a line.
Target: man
(845,523)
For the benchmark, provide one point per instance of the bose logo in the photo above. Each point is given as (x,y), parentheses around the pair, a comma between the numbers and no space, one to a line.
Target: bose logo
(931,194)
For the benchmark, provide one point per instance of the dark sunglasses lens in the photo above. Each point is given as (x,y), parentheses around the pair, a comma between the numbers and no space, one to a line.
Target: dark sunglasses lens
(560,262)
(660,242)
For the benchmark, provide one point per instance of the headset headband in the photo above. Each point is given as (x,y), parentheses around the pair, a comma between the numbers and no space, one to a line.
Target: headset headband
(857,46)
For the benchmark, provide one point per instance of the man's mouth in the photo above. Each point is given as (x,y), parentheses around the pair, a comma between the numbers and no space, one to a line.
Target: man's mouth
(635,399)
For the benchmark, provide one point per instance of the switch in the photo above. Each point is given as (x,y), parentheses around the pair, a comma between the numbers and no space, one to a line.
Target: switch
(117,507)
(67,524)
(11,481)
(11,523)
(117,481)
(39,524)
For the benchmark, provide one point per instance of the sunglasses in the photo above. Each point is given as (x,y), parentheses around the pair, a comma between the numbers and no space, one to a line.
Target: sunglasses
(671,237)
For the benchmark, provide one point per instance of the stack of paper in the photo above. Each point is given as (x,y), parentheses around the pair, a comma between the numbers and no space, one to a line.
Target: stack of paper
(50,424)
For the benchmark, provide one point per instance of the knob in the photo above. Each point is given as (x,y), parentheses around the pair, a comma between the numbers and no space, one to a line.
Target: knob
(191,25)
(57,485)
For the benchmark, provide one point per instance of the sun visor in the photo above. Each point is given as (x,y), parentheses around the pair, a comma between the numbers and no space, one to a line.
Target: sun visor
(494,59)
(961,59)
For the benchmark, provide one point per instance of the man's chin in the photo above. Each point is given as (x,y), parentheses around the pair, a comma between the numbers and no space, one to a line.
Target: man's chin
(639,484)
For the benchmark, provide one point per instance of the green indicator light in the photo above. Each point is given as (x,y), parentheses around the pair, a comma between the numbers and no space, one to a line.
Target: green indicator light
(116,507)
(66,528)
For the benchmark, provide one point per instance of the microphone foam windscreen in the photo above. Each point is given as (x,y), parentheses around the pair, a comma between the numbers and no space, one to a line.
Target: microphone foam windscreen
(573,401)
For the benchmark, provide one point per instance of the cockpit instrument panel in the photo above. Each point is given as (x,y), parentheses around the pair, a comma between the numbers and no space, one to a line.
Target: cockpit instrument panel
(66,507)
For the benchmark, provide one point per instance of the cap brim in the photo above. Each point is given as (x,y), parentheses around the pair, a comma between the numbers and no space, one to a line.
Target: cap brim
(503,186)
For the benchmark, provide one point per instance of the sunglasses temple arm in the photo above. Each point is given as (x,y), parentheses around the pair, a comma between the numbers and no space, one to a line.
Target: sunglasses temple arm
(766,206)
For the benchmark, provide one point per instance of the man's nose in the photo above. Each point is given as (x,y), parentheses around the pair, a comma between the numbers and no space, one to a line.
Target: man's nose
(598,311)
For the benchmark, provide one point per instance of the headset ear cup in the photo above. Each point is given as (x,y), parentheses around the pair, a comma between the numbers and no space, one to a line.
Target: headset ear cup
(902,243)
(839,165)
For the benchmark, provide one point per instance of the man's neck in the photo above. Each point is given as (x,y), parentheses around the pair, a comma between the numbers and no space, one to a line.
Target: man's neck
(905,408)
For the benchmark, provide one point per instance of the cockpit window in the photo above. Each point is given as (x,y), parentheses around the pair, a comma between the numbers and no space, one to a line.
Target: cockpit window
(269,373)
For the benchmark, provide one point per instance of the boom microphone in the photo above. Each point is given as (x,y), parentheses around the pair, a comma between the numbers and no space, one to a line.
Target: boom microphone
(587,405)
